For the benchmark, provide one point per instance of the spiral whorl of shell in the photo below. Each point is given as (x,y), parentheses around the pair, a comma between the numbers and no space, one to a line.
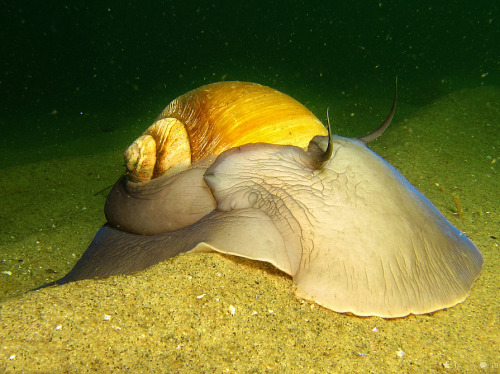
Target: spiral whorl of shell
(215,118)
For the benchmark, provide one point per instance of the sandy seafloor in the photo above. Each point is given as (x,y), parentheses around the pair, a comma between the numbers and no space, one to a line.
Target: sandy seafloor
(175,316)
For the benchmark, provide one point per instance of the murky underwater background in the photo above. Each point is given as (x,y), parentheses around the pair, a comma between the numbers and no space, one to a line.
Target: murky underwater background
(79,82)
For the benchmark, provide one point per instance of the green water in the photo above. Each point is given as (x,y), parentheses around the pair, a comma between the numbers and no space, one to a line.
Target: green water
(88,59)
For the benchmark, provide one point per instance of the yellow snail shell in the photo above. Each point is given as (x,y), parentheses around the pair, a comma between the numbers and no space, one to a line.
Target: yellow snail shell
(215,118)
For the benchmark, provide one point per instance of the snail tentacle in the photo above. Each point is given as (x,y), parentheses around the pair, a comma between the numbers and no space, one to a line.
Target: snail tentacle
(327,155)
(375,134)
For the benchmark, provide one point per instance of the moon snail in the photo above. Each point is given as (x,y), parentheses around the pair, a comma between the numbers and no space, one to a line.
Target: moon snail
(243,169)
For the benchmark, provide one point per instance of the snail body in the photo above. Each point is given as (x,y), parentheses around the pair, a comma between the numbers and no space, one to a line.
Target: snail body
(238,168)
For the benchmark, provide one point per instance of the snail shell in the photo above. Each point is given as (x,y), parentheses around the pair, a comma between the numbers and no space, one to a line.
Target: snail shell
(214,118)
(165,188)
